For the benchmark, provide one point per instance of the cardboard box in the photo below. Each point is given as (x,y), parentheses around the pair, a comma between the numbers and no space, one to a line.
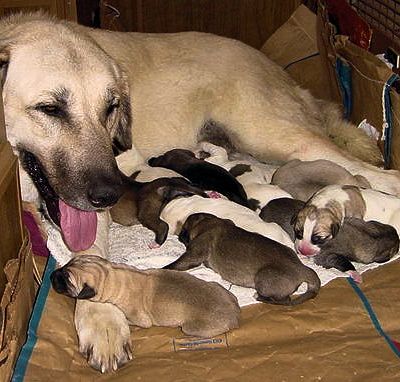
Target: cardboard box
(16,276)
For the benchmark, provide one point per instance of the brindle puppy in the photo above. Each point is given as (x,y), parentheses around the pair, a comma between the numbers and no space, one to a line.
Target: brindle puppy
(151,297)
(246,259)
(143,202)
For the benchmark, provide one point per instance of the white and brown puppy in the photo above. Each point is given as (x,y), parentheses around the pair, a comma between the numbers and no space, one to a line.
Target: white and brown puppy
(246,259)
(323,215)
(178,210)
(357,240)
(253,175)
(153,297)
(302,179)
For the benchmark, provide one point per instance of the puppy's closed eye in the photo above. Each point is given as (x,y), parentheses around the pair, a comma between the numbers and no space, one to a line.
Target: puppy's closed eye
(86,292)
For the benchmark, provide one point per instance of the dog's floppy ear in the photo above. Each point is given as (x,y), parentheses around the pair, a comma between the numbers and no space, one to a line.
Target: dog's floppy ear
(171,192)
(335,229)
(121,132)
(4,60)
(86,292)
(293,219)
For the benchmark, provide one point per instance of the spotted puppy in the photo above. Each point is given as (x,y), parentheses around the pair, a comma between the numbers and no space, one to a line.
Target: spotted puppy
(151,297)
(357,240)
(203,174)
(323,215)
(246,259)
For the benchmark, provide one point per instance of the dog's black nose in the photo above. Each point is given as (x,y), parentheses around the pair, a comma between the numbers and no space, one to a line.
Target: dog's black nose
(59,280)
(104,194)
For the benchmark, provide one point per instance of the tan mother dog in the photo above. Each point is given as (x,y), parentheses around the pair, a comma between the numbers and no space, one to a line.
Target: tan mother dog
(71,94)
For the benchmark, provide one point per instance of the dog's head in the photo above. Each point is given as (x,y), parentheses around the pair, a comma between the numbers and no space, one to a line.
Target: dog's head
(82,277)
(313,227)
(172,159)
(67,112)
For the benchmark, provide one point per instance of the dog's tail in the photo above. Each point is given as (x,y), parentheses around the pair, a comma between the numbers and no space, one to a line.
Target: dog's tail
(313,286)
(348,137)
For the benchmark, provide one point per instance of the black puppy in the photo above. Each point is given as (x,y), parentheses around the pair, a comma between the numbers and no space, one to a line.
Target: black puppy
(203,174)
(357,240)
(245,258)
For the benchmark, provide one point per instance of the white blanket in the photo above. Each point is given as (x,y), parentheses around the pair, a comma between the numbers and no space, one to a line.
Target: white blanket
(133,246)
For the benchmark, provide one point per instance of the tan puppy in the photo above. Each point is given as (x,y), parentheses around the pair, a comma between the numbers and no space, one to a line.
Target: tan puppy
(246,259)
(323,215)
(151,297)
(301,179)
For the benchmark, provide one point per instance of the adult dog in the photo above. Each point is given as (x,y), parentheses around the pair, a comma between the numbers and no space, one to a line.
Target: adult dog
(70,94)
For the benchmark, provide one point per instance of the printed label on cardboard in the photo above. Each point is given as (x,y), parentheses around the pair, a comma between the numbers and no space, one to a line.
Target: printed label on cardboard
(199,343)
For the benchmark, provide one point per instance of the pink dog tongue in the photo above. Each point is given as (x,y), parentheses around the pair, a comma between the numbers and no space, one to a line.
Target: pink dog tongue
(78,227)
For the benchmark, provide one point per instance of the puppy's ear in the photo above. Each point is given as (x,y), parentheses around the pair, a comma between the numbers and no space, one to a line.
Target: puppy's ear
(161,232)
(86,292)
(4,60)
(293,219)
(152,161)
(334,229)
(171,192)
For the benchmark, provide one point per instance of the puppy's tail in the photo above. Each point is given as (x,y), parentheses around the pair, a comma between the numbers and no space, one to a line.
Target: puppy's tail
(313,286)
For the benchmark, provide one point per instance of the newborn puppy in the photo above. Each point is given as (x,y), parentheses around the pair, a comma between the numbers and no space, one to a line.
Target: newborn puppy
(301,179)
(178,210)
(281,211)
(323,215)
(151,297)
(360,241)
(143,202)
(246,259)
(357,240)
(253,175)
(203,174)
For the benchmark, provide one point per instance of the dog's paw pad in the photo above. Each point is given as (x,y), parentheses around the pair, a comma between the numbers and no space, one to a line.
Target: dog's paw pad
(153,245)
(105,341)
(356,276)
(213,194)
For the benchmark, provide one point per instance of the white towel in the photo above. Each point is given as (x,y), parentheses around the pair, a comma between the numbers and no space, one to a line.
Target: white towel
(132,246)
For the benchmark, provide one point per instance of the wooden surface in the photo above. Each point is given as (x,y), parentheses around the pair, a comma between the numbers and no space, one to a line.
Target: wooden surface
(64,9)
(249,21)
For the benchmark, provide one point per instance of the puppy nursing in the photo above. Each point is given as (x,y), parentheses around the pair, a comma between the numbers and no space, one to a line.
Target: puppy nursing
(206,175)
(246,259)
(152,297)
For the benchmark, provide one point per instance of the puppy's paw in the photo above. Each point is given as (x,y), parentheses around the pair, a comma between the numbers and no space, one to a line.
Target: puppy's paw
(153,245)
(104,335)
(355,276)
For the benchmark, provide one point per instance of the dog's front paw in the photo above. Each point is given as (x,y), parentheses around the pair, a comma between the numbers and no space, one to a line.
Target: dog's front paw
(104,335)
